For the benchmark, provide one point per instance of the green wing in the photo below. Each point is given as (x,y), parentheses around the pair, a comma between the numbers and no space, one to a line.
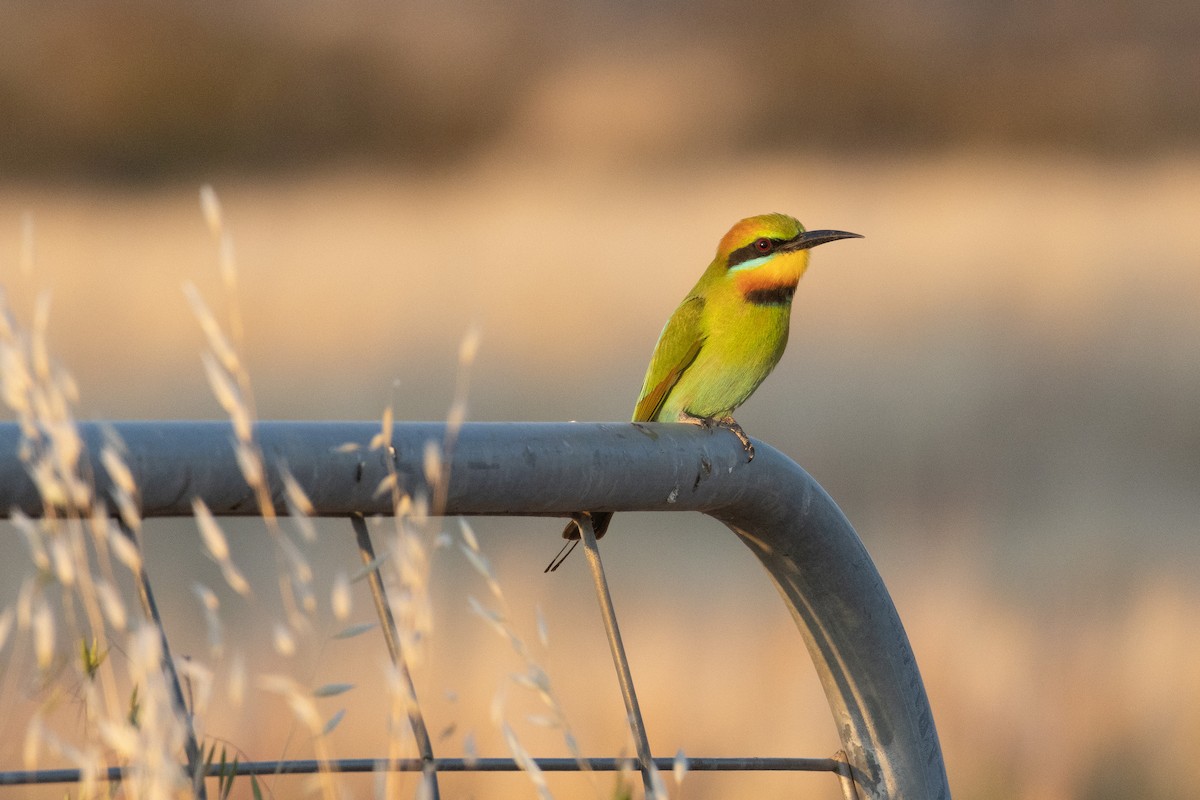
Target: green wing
(677,348)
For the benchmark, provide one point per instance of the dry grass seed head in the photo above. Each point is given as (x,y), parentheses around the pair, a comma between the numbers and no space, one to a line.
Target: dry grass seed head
(125,550)
(210,206)
(38,351)
(386,428)
(118,471)
(222,349)
(43,626)
(6,622)
(33,535)
(680,766)
(235,687)
(525,762)
(63,558)
(211,606)
(28,251)
(433,463)
(200,681)
(340,598)
(111,603)
(218,547)
(282,639)
(301,705)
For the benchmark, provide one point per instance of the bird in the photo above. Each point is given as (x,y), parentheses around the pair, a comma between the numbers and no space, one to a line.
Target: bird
(725,337)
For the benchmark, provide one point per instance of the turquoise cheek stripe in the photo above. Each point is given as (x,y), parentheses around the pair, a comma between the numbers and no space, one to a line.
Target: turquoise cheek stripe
(752,263)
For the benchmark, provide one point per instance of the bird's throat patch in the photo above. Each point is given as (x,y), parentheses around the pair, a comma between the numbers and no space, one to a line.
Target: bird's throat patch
(773,282)
(771,295)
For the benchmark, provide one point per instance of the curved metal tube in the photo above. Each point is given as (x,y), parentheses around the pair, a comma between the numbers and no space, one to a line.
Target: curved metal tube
(811,552)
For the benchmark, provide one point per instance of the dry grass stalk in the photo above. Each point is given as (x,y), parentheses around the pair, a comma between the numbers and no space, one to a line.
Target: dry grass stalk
(146,731)
(534,678)
(75,596)
(231,386)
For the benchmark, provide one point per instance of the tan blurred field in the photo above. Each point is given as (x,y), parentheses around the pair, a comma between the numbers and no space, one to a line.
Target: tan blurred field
(1000,384)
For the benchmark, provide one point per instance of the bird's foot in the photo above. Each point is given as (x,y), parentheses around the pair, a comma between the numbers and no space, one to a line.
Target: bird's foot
(729,423)
(736,430)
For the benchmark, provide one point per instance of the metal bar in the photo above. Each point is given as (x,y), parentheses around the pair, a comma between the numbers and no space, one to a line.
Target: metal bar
(191,748)
(355,765)
(632,711)
(416,719)
(845,776)
(824,574)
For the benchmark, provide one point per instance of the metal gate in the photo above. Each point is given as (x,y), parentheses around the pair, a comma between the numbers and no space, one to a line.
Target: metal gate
(889,745)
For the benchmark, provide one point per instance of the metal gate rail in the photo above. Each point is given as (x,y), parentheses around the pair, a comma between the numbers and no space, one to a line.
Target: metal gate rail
(303,766)
(816,560)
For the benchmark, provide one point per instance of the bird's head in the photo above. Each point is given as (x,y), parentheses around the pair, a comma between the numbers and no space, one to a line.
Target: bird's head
(769,253)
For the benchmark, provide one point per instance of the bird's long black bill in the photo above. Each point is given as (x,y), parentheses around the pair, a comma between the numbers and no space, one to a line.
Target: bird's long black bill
(810,239)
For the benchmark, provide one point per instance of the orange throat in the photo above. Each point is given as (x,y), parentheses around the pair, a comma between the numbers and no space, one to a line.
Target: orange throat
(767,287)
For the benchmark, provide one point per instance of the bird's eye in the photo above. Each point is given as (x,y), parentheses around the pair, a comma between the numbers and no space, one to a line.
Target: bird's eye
(764,245)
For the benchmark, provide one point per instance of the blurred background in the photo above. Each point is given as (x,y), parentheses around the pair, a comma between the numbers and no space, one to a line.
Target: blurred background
(1000,384)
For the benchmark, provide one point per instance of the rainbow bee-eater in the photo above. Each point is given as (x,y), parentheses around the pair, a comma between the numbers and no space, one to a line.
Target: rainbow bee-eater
(726,336)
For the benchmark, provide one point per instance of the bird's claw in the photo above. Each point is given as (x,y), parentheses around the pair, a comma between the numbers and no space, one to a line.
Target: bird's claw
(729,423)
(736,430)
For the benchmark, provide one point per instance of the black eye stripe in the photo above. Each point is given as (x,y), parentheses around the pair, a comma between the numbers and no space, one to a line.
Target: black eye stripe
(748,252)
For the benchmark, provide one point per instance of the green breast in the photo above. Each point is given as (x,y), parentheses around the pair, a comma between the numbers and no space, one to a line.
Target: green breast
(742,345)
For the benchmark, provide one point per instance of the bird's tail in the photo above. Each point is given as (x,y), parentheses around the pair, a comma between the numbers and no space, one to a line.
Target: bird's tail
(571,534)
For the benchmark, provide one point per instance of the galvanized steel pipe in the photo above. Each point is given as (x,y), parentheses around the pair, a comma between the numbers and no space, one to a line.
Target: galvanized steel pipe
(809,549)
